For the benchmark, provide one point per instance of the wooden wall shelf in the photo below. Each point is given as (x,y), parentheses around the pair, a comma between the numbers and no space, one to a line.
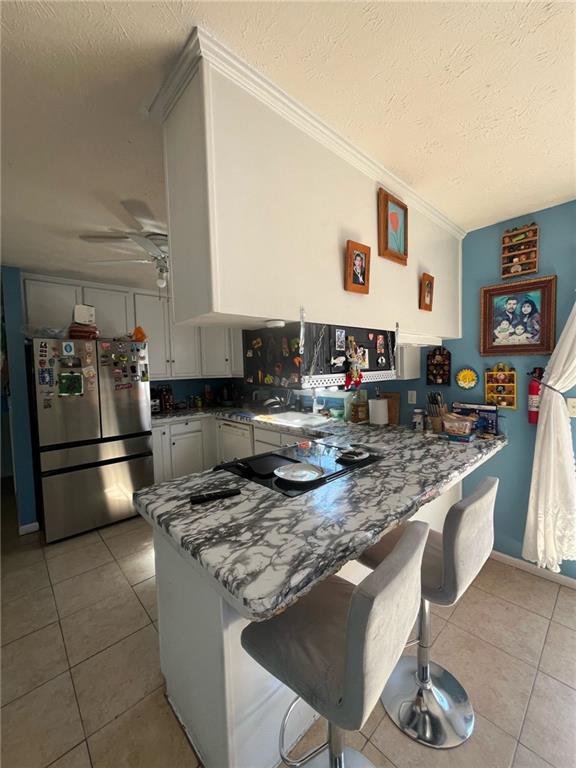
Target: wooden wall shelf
(520,251)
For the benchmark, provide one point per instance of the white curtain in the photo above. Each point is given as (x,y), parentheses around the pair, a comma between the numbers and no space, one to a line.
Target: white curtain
(550,535)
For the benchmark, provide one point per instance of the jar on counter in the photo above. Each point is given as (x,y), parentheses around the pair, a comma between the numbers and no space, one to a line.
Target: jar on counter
(418,420)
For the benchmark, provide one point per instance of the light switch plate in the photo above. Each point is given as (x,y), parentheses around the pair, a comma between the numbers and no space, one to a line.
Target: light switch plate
(411,397)
(571,403)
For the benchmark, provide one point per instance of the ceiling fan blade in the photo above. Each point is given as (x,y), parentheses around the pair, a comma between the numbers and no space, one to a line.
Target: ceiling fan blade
(112,238)
(147,245)
(121,261)
(142,214)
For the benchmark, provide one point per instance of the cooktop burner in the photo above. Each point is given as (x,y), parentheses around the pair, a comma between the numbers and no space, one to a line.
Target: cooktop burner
(260,469)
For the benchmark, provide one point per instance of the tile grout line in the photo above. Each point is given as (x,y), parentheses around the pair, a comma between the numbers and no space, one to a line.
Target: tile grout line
(496,725)
(534,681)
(67,660)
(512,602)
(493,645)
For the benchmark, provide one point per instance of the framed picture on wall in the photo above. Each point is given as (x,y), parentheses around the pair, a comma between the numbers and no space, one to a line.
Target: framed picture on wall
(426,291)
(357,267)
(518,318)
(392,227)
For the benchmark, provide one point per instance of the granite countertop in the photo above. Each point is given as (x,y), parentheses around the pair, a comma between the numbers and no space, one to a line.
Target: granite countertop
(264,550)
(245,415)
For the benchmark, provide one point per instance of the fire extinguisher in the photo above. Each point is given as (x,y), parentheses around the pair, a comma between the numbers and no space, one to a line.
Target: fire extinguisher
(534,390)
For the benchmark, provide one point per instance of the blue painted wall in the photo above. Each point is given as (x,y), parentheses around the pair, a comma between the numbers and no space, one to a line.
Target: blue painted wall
(481,267)
(21,439)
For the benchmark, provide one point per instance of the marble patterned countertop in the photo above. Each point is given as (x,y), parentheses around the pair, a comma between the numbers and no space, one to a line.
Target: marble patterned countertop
(264,550)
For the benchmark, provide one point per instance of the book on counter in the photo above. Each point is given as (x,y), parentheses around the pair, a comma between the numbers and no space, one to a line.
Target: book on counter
(486,415)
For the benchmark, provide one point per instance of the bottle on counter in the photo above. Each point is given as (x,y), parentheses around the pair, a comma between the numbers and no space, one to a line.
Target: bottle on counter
(418,420)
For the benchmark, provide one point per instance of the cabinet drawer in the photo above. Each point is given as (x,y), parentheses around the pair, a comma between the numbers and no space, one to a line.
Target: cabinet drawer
(184,427)
(267,436)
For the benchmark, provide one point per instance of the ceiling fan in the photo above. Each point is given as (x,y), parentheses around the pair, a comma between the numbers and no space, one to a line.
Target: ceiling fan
(151,237)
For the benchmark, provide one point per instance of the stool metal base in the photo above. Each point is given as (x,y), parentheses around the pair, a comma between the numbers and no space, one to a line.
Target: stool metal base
(438,715)
(352,759)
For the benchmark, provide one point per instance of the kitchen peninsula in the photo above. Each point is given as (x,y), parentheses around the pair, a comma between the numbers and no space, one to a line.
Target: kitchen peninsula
(245,558)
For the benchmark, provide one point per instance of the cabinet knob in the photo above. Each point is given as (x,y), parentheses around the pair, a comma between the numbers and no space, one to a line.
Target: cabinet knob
(173,443)
(167,361)
(173,361)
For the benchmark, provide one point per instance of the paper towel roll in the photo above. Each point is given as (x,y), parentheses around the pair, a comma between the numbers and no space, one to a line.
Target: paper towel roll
(378,411)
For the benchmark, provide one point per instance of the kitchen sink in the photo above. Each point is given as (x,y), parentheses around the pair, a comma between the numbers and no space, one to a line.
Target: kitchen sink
(293,419)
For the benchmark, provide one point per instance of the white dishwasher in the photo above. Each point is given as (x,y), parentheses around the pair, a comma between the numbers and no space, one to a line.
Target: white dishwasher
(234,441)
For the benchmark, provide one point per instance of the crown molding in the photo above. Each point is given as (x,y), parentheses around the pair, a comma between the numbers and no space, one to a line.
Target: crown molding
(202,46)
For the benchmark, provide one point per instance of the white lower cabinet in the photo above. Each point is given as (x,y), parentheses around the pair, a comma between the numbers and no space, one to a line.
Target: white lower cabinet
(179,449)
(162,453)
(187,453)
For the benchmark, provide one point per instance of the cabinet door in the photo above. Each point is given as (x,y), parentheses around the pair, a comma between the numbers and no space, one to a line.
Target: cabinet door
(161,451)
(236,352)
(150,313)
(185,346)
(215,342)
(50,304)
(260,447)
(113,312)
(234,441)
(187,454)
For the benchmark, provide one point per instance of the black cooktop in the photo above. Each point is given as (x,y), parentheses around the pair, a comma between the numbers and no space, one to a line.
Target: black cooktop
(260,469)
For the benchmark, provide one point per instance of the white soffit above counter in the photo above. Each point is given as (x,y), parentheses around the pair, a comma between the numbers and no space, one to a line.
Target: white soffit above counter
(202,45)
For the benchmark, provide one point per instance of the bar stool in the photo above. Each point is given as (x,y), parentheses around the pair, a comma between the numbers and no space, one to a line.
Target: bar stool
(421,697)
(337,645)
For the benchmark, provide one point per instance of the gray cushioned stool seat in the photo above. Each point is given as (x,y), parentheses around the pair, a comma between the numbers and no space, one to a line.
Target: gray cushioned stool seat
(337,645)
(452,559)
(306,653)
(422,698)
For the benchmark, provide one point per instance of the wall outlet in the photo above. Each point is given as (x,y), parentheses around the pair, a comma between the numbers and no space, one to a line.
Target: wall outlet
(411,397)
(571,403)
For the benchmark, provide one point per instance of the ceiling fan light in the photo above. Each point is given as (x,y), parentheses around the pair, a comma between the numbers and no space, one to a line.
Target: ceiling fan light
(161,281)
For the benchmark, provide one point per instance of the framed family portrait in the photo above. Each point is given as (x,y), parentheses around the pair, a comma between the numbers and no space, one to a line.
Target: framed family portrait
(357,267)
(426,291)
(518,318)
(392,227)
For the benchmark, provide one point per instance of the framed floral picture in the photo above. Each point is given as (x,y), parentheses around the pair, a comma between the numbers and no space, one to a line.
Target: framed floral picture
(357,267)
(518,318)
(392,227)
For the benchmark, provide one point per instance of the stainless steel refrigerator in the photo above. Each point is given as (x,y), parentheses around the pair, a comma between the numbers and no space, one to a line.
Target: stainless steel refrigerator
(91,401)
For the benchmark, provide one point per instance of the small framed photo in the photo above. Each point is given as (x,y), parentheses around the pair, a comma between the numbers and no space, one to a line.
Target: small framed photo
(518,318)
(357,267)
(426,291)
(392,228)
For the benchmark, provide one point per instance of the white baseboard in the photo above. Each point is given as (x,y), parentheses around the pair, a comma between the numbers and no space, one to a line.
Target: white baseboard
(522,565)
(28,528)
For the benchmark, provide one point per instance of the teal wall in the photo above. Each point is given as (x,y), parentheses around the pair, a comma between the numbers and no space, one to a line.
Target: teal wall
(23,471)
(481,267)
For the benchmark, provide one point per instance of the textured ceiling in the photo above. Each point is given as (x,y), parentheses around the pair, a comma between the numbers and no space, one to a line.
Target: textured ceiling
(472,104)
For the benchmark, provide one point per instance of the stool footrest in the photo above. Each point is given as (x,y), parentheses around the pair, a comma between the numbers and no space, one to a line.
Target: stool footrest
(309,755)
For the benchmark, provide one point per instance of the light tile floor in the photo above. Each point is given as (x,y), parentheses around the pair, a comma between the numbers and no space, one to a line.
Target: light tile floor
(81,682)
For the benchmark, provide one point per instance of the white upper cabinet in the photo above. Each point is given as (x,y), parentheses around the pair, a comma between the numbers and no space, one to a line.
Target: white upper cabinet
(114,313)
(236,352)
(151,314)
(259,216)
(215,351)
(185,341)
(50,304)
